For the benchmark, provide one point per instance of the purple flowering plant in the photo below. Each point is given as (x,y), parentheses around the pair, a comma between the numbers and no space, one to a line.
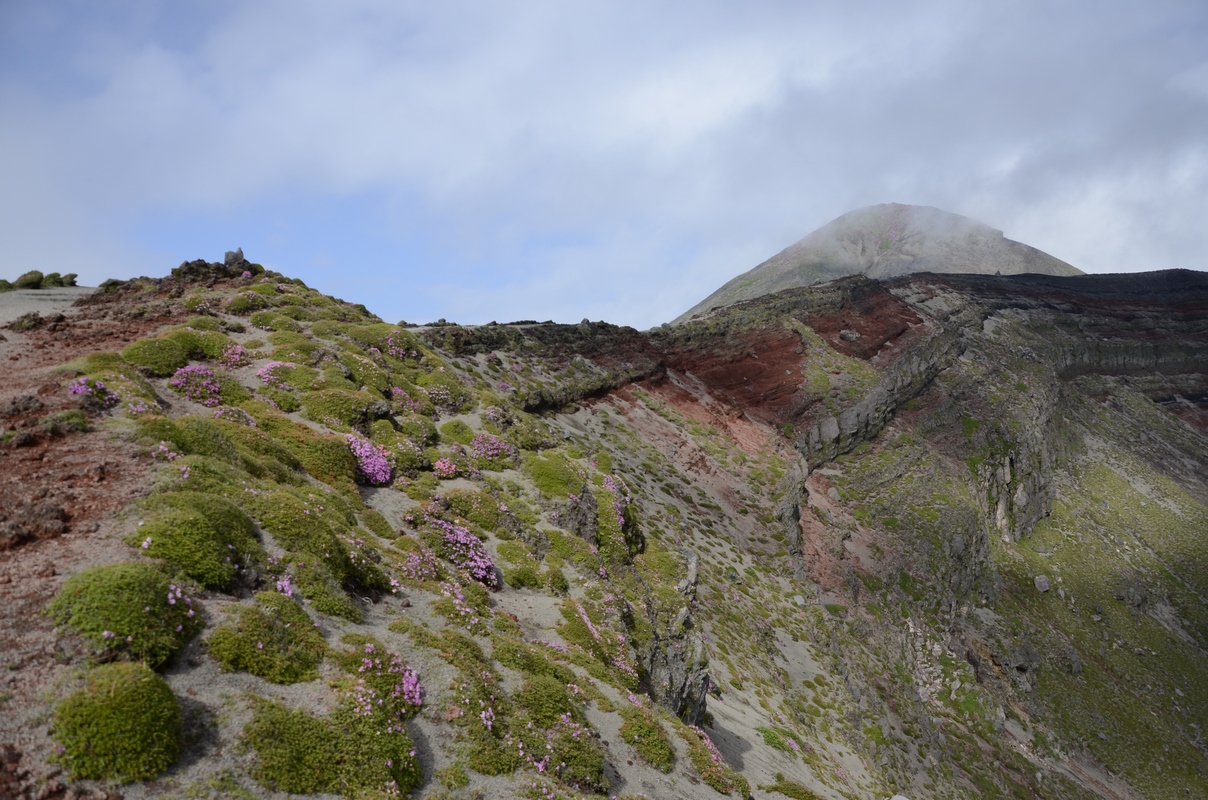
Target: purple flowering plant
(465,551)
(491,452)
(270,373)
(373,461)
(93,392)
(234,356)
(198,383)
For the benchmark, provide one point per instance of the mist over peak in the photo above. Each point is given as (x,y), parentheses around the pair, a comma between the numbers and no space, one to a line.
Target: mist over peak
(885,241)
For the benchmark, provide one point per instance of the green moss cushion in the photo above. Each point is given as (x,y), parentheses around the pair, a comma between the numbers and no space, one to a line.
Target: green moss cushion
(273,638)
(124,724)
(131,610)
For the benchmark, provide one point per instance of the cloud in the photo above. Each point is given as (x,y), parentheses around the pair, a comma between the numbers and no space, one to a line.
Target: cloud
(587,159)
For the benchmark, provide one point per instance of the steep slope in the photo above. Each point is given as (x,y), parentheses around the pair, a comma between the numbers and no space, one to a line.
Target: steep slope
(885,241)
(935,535)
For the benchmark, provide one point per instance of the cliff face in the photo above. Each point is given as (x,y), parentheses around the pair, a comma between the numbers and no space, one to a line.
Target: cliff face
(939,535)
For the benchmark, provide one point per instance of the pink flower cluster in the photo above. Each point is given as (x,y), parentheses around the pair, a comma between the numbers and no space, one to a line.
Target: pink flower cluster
(197,383)
(420,566)
(268,373)
(445,468)
(466,614)
(93,390)
(402,398)
(177,593)
(440,396)
(490,448)
(617,487)
(164,452)
(465,551)
(387,683)
(373,462)
(714,754)
(234,356)
(397,348)
(614,644)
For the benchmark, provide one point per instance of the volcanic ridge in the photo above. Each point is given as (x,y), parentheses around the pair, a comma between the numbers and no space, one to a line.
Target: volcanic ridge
(898,533)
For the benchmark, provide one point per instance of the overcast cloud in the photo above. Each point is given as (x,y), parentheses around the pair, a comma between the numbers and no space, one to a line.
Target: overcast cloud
(608,160)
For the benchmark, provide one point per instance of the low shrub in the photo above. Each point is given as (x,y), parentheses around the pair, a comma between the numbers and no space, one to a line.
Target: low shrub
(273,638)
(545,700)
(281,399)
(321,588)
(788,788)
(203,323)
(640,727)
(29,280)
(555,476)
(374,521)
(588,627)
(203,536)
(361,749)
(131,610)
(201,343)
(711,765)
(274,321)
(245,303)
(457,432)
(337,408)
(326,458)
(124,725)
(197,383)
(478,508)
(158,357)
(525,576)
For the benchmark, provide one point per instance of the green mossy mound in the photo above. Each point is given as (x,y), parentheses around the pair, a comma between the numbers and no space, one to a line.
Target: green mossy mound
(131,610)
(643,731)
(361,750)
(323,457)
(203,536)
(274,321)
(555,476)
(247,302)
(291,347)
(203,323)
(158,357)
(200,343)
(337,408)
(709,763)
(34,279)
(124,725)
(545,700)
(457,432)
(273,638)
(374,521)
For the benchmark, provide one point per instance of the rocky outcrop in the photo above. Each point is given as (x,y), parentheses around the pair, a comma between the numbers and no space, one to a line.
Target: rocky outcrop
(677,673)
(834,435)
(675,662)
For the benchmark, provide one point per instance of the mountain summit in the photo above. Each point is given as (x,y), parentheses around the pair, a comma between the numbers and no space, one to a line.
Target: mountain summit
(884,241)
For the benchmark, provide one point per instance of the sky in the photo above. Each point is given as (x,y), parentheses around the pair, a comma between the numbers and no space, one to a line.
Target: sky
(564,160)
